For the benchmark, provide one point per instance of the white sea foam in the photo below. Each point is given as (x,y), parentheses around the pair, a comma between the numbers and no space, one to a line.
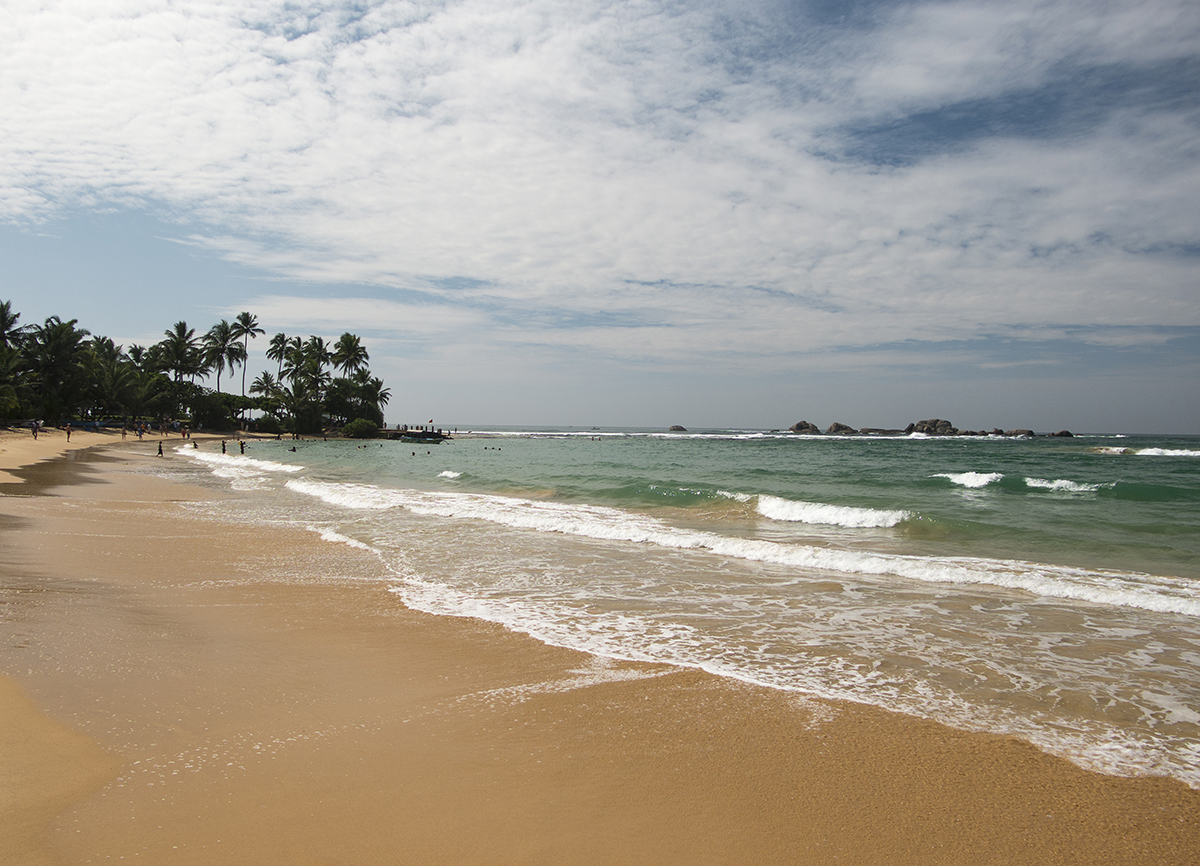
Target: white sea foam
(737,497)
(449,473)
(597,671)
(336,537)
(238,461)
(243,473)
(360,496)
(1146,452)
(1163,594)
(1062,485)
(971,479)
(636,637)
(777,508)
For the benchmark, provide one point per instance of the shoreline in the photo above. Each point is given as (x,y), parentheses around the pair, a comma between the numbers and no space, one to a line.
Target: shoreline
(267,700)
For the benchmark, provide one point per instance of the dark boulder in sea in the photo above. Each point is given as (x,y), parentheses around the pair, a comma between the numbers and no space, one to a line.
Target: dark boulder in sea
(933,427)
(675,428)
(804,427)
(1026,434)
(1066,434)
(838,427)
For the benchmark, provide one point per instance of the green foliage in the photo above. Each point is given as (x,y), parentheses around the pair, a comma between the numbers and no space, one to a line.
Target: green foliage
(211,410)
(269,424)
(57,370)
(361,428)
(221,347)
(56,357)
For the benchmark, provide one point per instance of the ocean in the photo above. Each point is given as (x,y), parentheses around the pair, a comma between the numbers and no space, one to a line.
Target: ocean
(1044,588)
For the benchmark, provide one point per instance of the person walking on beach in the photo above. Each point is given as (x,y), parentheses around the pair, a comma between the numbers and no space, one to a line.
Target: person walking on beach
(160,454)
(34,428)
(68,429)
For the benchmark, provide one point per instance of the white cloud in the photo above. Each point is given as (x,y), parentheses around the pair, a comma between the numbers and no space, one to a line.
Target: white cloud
(628,159)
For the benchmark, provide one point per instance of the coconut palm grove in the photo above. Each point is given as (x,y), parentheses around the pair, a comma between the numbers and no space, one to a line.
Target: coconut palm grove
(57,372)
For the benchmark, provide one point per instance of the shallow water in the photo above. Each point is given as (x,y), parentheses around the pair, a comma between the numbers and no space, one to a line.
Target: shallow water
(1045,588)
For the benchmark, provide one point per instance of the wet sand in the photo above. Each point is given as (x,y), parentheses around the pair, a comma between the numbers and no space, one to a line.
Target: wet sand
(182,690)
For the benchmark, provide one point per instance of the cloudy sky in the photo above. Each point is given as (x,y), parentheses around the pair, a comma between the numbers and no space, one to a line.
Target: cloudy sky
(610,213)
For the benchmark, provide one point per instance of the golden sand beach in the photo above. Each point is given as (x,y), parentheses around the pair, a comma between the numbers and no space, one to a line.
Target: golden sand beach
(182,690)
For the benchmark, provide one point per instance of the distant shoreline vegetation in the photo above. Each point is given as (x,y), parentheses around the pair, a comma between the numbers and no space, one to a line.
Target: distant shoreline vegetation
(57,372)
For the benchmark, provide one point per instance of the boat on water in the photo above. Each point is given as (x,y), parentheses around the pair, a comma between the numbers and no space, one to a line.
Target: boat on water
(410,434)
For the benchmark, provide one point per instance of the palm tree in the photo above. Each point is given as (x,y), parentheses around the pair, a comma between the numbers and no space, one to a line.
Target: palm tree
(293,358)
(221,347)
(12,380)
(180,352)
(375,392)
(349,354)
(56,356)
(246,327)
(112,382)
(106,351)
(268,390)
(10,334)
(147,389)
(317,352)
(307,381)
(277,350)
(265,384)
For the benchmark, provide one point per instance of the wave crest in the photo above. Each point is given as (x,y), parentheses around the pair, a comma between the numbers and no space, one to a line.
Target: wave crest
(850,516)
(973,480)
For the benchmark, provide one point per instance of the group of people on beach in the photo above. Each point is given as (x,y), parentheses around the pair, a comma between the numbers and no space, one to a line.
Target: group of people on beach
(141,429)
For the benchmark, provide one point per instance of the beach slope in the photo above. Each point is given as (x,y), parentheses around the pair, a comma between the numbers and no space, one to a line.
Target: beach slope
(205,692)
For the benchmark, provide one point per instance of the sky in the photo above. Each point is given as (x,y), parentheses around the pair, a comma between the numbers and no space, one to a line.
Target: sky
(714,214)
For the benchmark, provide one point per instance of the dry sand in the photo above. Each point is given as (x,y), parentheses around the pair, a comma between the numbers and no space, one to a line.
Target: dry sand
(204,693)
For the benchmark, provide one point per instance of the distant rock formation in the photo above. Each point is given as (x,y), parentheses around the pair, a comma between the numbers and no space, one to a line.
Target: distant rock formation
(928,427)
(932,427)
(675,428)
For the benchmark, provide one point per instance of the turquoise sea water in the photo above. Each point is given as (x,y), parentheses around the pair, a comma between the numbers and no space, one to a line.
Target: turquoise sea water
(1046,588)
